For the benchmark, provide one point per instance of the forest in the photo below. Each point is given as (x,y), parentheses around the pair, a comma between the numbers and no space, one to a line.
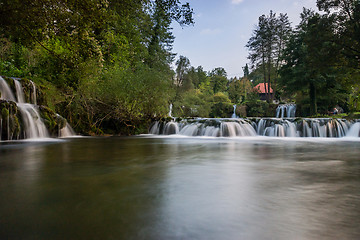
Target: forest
(106,65)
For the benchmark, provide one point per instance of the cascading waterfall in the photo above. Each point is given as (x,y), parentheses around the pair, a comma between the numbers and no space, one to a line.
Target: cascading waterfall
(19,92)
(204,127)
(272,127)
(33,93)
(67,131)
(288,109)
(34,125)
(170,110)
(30,124)
(234,114)
(354,130)
(5,90)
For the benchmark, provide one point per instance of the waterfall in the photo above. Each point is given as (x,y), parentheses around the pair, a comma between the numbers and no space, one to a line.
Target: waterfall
(236,129)
(170,110)
(204,127)
(33,92)
(354,131)
(67,131)
(5,90)
(234,114)
(28,122)
(34,126)
(171,128)
(19,92)
(288,109)
(271,127)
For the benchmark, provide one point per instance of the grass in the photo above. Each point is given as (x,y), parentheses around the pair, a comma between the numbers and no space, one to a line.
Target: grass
(355,115)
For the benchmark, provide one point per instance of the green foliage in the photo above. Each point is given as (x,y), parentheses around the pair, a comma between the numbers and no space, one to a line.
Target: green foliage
(266,46)
(311,64)
(103,64)
(354,100)
(222,106)
(221,97)
(345,17)
(193,104)
(257,108)
(218,80)
(196,98)
(222,110)
(239,89)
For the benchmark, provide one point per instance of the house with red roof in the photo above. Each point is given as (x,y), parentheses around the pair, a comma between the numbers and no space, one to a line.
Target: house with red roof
(260,88)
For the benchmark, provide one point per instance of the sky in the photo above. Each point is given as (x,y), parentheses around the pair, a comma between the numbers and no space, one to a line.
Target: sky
(223,27)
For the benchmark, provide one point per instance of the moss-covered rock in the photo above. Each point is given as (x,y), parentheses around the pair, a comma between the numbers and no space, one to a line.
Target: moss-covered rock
(53,121)
(9,121)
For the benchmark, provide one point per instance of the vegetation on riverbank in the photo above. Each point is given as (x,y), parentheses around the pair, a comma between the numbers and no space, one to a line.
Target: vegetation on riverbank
(105,65)
(102,64)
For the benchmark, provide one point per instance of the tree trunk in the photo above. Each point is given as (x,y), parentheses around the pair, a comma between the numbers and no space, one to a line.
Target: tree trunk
(264,74)
(313,106)
(265,85)
(269,81)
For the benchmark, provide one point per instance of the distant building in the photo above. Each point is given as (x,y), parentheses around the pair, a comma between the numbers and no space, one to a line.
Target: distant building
(260,88)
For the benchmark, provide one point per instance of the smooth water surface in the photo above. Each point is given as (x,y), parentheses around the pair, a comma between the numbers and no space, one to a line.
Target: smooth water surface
(180,188)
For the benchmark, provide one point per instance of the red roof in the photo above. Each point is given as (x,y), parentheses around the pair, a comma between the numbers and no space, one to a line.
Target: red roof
(260,88)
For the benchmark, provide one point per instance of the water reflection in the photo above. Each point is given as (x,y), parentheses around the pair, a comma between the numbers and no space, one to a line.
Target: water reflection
(179,188)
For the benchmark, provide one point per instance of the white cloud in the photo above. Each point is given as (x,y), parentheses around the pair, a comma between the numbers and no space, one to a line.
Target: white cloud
(210,31)
(236,1)
(296,3)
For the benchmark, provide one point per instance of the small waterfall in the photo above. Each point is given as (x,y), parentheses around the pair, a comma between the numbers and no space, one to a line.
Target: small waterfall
(155,128)
(234,114)
(5,90)
(190,130)
(67,131)
(354,131)
(171,128)
(170,110)
(19,92)
(271,127)
(288,109)
(34,126)
(33,93)
(23,120)
(236,129)
(204,127)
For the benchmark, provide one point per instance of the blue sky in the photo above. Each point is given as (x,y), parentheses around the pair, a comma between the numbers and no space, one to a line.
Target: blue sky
(223,27)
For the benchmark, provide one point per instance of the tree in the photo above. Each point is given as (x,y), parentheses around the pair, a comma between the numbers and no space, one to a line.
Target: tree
(234,90)
(311,60)
(218,79)
(345,16)
(182,68)
(108,60)
(161,38)
(266,45)
(246,70)
(283,32)
(238,89)
(201,76)
(346,19)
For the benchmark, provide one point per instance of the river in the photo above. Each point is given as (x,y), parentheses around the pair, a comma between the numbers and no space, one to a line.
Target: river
(169,187)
